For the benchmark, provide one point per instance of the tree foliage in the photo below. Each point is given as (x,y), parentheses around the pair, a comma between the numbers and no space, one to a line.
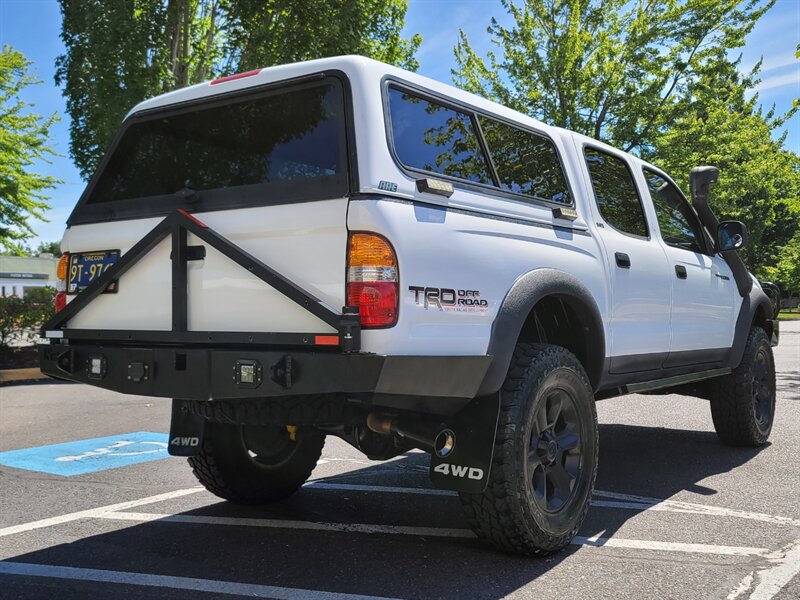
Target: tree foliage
(655,77)
(759,179)
(612,69)
(119,52)
(23,141)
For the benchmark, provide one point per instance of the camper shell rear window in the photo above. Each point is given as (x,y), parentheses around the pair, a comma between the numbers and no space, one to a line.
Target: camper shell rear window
(278,145)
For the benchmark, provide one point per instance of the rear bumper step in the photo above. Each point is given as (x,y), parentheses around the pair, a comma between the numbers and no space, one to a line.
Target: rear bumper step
(208,373)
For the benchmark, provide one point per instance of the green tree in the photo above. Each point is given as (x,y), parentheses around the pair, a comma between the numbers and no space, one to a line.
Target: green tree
(119,52)
(53,248)
(23,141)
(612,69)
(759,178)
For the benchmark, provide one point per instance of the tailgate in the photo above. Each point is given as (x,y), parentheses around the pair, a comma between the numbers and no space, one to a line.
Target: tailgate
(306,243)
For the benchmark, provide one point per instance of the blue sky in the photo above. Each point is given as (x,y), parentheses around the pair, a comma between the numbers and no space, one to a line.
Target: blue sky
(33,26)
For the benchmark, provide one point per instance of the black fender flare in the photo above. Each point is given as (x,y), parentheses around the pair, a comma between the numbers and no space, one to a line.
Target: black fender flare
(751,303)
(526,292)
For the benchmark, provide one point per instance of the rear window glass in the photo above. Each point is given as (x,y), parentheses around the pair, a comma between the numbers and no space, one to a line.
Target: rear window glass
(615,192)
(526,163)
(432,137)
(291,136)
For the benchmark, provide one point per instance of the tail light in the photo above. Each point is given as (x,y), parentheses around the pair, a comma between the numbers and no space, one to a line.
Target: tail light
(61,282)
(372,281)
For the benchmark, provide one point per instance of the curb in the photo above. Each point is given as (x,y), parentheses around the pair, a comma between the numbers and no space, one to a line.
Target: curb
(19,375)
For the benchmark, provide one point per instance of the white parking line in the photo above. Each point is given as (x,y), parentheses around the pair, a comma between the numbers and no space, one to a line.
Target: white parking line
(96,512)
(352,487)
(596,542)
(620,501)
(288,524)
(771,579)
(657,504)
(179,583)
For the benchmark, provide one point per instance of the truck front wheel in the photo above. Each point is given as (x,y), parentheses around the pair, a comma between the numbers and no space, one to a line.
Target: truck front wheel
(743,403)
(253,464)
(545,458)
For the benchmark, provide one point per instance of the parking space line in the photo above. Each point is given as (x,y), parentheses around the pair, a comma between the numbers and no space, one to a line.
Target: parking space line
(771,580)
(657,504)
(599,542)
(620,501)
(596,542)
(96,512)
(179,583)
(289,524)
(352,487)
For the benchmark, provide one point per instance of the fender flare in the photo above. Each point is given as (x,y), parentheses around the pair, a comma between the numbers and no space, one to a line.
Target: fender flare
(751,303)
(526,292)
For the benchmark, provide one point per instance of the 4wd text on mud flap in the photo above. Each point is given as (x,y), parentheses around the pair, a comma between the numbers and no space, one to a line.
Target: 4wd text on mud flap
(459,471)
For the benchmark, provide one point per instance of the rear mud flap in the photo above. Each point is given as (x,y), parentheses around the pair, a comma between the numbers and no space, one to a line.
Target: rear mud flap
(462,456)
(185,431)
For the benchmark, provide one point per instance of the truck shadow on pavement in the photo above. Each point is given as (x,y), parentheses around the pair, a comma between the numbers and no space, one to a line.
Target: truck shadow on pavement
(645,461)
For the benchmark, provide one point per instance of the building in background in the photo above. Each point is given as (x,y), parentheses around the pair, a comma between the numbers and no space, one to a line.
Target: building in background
(20,273)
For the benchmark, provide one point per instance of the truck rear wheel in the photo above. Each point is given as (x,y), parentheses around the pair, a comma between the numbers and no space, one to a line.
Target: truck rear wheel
(545,459)
(255,465)
(743,403)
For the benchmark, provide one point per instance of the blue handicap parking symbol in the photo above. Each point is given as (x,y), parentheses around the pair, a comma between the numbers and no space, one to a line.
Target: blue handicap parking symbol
(89,456)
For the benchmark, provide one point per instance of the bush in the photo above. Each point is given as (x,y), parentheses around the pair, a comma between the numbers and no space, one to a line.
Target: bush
(21,318)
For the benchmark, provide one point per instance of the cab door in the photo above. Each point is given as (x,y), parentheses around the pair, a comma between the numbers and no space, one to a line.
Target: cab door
(639,273)
(703,289)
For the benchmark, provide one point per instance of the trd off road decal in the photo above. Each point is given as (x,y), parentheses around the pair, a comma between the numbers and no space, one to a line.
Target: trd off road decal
(449,299)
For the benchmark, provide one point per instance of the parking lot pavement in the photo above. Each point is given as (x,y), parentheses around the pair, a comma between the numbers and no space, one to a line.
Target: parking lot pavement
(675,515)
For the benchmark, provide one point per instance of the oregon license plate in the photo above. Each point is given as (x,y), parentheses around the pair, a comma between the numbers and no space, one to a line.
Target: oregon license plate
(86,267)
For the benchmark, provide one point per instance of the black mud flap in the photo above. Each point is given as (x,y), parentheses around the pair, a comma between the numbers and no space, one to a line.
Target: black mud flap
(462,455)
(185,430)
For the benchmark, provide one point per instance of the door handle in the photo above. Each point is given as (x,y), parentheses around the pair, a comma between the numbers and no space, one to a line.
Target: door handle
(721,276)
(680,271)
(623,260)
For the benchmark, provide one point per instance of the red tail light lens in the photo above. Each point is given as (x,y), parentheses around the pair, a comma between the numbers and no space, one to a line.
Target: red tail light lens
(372,279)
(61,301)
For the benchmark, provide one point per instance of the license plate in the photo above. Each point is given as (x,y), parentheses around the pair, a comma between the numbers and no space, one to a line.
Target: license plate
(86,267)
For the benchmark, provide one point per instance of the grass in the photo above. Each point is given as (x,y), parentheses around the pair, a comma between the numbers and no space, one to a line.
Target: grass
(789,315)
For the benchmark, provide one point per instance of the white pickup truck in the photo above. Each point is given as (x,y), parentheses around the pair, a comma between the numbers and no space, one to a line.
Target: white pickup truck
(340,247)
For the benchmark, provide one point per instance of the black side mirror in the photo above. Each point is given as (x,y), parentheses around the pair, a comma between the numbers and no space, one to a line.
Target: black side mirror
(731,235)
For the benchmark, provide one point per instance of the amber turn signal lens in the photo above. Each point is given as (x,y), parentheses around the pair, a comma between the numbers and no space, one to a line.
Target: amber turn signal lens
(370,250)
(61,269)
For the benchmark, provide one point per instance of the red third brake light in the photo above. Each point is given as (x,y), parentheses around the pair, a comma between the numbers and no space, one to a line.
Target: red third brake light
(372,280)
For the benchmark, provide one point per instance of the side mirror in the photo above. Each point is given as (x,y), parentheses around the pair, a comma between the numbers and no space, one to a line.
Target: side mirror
(731,235)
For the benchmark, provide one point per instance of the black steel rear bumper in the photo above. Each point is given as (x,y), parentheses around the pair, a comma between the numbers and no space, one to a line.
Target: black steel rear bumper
(217,373)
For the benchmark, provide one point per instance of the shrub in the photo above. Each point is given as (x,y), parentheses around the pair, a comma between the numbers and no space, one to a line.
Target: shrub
(21,318)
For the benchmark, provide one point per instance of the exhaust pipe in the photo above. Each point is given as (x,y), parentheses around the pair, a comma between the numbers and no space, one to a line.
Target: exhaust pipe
(432,437)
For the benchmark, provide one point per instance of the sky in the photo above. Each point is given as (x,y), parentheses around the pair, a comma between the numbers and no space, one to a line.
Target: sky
(33,28)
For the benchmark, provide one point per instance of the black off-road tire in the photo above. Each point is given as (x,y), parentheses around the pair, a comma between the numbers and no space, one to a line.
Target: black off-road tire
(509,513)
(743,403)
(255,465)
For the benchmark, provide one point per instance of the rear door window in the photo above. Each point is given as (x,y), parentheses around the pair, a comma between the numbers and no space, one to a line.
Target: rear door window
(615,192)
(432,137)
(526,163)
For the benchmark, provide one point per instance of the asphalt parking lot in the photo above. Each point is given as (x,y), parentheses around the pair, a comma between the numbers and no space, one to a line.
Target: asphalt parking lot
(675,515)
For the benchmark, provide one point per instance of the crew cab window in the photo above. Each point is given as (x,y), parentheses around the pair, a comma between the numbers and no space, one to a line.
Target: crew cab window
(615,192)
(526,163)
(677,222)
(432,137)
(293,138)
